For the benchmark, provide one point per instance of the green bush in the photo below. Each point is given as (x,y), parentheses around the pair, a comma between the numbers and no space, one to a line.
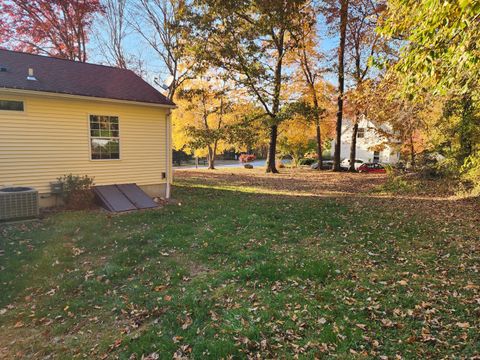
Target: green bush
(471,173)
(307,161)
(77,191)
(397,185)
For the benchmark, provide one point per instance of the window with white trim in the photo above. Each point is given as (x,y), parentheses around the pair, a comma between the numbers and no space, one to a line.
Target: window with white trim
(360,133)
(104,137)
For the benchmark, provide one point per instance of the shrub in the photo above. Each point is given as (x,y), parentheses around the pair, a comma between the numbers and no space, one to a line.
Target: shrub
(244,158)
(435,166)
(77,191)
(471,173)
(397,185)
(307,161)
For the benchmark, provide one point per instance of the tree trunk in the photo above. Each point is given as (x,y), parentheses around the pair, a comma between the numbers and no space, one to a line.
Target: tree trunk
(353,146)
(412,151)
(319,148)
(465,134)
(211,158)
(317,123)
(341,83)
(272,150)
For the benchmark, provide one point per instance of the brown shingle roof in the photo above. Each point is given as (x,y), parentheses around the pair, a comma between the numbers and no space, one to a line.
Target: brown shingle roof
(75,78)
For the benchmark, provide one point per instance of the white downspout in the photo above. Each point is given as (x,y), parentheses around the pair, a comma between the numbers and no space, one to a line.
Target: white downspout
(168,167)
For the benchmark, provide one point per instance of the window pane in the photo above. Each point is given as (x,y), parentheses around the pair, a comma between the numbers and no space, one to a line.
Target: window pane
(11,105)
(105,148)
(104,131)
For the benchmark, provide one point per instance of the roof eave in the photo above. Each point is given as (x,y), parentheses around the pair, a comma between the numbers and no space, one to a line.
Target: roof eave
(84,97)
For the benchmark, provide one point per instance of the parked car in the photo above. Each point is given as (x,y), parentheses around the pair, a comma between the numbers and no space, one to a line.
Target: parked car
(326,165)
(345,164)
(372,168)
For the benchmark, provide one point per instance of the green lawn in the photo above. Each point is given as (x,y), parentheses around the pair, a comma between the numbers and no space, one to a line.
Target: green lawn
(237,270)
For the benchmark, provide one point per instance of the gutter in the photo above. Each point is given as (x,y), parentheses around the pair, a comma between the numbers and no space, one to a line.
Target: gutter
(168,157)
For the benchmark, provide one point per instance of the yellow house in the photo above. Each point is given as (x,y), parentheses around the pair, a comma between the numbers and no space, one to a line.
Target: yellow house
(61,117)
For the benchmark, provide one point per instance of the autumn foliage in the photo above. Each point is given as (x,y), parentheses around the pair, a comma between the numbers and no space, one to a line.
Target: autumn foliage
(245,158)
(52,27)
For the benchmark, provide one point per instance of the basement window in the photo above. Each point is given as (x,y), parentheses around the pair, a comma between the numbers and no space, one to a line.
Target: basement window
(104,137)
(11,105)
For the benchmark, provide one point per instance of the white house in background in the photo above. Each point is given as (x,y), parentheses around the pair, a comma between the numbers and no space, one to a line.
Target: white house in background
(372,146)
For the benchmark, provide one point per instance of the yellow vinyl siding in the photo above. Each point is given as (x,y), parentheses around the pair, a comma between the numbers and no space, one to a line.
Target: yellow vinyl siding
(51,138)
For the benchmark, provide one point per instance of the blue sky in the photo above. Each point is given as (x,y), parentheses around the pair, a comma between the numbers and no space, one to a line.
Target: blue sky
(137,46)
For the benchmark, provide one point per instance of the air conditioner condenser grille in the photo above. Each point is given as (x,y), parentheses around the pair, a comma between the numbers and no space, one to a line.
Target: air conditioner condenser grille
(18,203)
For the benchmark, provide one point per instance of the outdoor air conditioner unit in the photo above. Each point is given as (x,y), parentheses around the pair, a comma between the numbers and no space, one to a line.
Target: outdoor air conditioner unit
(18,203)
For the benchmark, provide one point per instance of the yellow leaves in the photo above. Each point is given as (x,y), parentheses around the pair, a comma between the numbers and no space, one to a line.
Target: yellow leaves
(205,104)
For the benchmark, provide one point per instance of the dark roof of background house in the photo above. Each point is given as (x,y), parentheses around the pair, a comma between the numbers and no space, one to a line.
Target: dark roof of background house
(75,78)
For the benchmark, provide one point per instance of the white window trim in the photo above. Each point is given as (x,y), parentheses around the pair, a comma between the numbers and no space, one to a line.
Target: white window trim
(90,139)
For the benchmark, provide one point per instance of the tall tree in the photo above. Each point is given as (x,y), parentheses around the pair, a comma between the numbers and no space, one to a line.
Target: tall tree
(52,27)
(296,138)
(309,59)
(250,40)
(111,36)
(362,43)
(341,81)
(158,22)
(401,120)
(204,116)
